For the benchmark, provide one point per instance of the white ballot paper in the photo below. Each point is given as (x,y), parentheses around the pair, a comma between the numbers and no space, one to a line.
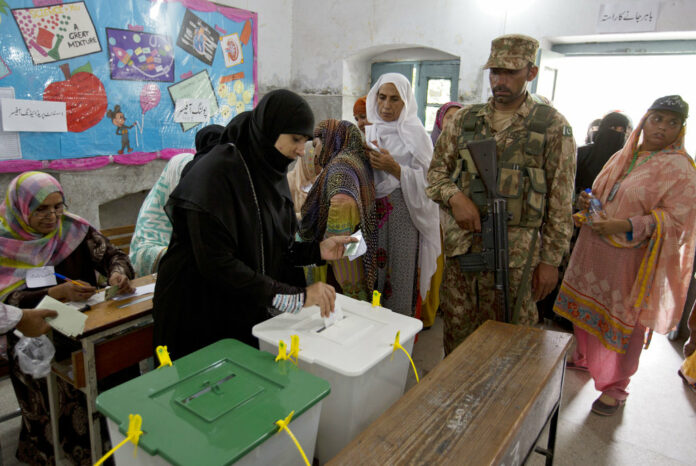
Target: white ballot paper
(70,321)
(355,250)
(140,290)
(336,316)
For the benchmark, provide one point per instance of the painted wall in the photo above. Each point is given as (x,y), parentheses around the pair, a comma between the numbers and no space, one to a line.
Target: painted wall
(276,27)
(352,33)
(87,191)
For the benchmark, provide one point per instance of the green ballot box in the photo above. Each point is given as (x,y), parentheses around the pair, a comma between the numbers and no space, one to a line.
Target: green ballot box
(217,406)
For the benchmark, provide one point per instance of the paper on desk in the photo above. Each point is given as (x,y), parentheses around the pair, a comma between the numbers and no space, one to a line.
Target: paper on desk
(140,290)
(70,321)
(93,300)
(335,316)
(355,250)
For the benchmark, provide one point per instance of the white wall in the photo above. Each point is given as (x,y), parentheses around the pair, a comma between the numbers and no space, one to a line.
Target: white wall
(334,41)
(275,44)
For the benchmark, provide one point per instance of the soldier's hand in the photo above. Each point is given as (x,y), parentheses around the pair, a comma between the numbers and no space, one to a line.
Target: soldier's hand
(465,212)
(544,280)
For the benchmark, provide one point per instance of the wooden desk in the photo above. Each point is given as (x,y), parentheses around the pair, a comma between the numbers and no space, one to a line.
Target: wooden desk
(114,338)
(486,403)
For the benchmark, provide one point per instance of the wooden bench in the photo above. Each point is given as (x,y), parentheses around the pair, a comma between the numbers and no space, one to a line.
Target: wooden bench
(120,236)
(486,403)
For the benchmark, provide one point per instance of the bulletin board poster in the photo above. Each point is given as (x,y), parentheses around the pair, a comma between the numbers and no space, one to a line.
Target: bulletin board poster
(120,67)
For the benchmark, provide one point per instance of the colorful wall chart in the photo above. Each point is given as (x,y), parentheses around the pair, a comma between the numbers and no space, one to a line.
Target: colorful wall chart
(120,67)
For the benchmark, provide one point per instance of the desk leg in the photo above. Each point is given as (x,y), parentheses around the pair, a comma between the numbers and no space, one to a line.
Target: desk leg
(551,445)
(91,393)
(54,411)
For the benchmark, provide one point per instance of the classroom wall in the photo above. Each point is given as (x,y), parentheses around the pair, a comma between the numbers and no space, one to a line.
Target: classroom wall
(111,196)
(352,34)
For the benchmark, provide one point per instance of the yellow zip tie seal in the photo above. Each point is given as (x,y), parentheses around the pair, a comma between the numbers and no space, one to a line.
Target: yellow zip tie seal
(396,346)
(294,348)
(163,356)
(283,425)
(283,354)
(376,295)
(135,423)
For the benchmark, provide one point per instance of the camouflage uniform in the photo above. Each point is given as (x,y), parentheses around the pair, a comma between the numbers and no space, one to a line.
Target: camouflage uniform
(467,299)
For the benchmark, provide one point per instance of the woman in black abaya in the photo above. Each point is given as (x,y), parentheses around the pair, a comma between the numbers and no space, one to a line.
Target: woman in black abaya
(232,261)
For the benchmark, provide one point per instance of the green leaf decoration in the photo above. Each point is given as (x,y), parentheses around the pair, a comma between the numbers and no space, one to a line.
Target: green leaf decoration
(87,67)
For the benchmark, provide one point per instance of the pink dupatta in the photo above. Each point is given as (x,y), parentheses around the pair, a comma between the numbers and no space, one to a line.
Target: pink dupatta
(659,291)
(22,247)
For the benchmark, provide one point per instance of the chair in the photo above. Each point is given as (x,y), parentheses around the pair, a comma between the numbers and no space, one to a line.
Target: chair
(120,236)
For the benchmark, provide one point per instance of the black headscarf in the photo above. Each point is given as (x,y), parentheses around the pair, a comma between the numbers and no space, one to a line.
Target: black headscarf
(592,157)
(206,138)
(217,178)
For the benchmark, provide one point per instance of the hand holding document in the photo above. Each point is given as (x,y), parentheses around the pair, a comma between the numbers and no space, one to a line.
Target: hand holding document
(355,250)
(70,321)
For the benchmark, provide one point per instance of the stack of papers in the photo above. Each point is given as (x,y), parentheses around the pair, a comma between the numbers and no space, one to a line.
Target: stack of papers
(70,321)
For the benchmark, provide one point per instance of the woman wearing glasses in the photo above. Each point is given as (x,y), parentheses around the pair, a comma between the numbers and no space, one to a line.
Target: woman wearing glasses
(630,269)
(37,231)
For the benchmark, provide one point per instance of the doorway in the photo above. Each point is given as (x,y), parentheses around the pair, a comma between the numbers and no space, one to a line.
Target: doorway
(434,83)
(586,81)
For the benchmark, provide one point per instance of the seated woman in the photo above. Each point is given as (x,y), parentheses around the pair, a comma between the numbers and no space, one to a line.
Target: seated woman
(342,201)
(233,260)
(630,269)
(153,229)
(301,178)
(36,231)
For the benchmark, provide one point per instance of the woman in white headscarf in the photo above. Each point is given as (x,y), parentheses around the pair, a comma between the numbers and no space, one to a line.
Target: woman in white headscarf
(408,221)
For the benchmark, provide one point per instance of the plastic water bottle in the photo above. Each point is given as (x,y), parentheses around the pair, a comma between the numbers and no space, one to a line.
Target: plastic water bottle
(594,211)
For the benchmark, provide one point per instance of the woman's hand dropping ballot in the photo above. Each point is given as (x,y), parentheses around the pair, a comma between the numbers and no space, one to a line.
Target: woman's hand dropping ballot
(322,295)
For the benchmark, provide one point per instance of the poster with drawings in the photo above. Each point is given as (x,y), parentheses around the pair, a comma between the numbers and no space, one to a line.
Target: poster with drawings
(140,56)
(198,38)
(232,49)
(119,108)
(57,32)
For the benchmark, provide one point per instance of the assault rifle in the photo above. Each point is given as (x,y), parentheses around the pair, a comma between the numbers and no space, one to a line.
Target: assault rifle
(494,232)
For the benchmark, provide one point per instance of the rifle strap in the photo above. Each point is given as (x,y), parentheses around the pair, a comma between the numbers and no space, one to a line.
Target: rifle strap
(524,281)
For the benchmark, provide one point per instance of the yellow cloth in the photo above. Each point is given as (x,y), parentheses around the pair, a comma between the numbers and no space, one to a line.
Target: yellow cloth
(344,219)
(431,303)
(689,366)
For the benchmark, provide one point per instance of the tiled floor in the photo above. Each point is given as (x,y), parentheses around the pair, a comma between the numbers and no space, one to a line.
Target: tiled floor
(656,427)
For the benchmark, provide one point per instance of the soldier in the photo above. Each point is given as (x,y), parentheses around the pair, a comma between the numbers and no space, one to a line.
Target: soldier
(536,166)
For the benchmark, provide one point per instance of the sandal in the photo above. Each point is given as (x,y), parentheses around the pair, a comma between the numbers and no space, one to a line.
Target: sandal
(571,365)
(603,409)
(692,386)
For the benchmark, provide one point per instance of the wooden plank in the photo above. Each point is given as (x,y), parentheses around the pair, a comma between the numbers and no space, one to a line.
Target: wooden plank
(78,368)
(108,313)
(483,404)
(124,351)
(116,231)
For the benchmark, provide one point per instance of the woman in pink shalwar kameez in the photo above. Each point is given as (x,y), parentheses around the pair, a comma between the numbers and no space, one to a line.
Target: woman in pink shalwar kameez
(630,268)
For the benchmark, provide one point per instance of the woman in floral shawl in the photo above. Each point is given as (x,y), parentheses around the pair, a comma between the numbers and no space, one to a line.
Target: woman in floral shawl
(630,268)
(342,200)
(36,230)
